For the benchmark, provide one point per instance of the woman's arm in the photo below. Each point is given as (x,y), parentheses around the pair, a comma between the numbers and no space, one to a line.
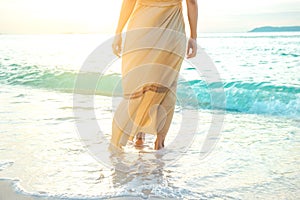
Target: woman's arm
(126,10)
(192,9)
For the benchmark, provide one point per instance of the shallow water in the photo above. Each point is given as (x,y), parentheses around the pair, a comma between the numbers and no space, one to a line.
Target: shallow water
(256,156)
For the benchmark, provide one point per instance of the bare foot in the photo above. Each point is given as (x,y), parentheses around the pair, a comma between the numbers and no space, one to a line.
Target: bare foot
(159,142)
(140,138)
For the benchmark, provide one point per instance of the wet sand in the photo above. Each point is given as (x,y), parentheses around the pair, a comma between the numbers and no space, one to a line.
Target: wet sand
(7,192)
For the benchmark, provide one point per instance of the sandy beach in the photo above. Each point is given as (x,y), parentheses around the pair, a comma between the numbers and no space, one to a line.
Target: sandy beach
(7,192)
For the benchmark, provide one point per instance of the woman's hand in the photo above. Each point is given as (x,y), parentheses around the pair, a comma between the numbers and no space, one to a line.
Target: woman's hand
(117,45)
(192,48)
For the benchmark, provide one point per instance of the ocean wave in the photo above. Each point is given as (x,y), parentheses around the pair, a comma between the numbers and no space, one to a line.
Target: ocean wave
(245,97)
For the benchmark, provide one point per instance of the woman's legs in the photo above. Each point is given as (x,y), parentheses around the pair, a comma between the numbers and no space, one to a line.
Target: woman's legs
(169,105)
(159,142)
(140,138)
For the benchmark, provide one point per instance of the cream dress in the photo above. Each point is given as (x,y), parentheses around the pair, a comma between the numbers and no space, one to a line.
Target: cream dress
(154,49)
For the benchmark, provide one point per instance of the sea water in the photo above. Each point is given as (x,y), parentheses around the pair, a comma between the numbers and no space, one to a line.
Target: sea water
(256,155)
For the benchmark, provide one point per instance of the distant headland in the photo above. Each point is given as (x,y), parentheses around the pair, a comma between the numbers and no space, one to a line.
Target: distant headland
(276,29)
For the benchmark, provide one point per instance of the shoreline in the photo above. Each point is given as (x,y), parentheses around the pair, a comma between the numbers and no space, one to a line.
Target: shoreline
(7,191)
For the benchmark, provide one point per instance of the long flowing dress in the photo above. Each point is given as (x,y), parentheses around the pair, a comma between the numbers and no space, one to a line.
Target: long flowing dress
(153,52)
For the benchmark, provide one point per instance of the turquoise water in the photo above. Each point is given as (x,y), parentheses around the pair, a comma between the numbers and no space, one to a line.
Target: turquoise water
(257,155)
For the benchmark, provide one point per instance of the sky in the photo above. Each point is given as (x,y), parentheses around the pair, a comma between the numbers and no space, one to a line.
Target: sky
(101,16)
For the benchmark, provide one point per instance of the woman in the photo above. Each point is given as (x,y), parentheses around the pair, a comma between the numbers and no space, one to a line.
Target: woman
(154,49)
